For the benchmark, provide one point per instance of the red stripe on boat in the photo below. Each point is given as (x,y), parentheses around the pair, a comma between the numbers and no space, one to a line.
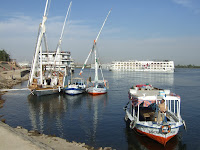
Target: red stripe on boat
(159,139)
(96,93)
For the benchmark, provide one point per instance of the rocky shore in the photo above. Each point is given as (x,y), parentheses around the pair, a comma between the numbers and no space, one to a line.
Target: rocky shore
(10,78)
(20,138)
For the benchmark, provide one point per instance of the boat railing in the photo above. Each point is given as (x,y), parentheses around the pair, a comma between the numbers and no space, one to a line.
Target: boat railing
(173,105)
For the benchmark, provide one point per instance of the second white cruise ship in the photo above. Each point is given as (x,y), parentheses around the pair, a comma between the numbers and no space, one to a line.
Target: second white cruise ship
(134,65)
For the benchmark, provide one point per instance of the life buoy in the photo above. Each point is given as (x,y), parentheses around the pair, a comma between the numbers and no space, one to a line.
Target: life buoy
(164,130)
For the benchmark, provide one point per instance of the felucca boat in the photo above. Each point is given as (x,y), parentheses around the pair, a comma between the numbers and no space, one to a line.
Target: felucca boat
(154,112)
(43,81)
(97,86)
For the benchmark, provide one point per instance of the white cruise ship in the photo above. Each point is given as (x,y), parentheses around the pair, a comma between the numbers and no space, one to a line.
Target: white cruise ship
(134,65)
(64,60)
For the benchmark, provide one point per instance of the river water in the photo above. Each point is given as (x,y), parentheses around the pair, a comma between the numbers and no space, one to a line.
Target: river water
(99,120)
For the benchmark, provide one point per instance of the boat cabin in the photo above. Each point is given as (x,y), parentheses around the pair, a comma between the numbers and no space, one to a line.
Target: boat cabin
(144,104)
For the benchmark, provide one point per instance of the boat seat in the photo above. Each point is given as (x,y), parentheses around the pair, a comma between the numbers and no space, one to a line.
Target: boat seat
(146,115)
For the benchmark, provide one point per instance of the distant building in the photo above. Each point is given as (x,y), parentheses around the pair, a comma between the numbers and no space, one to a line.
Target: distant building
(134,65)
(103,66)
(24,64)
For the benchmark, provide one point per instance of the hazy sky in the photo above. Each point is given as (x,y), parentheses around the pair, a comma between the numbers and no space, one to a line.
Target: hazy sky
(135,29)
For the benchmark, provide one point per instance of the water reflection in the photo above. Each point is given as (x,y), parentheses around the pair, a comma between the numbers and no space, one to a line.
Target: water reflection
(60,114)
(145,77)
(46,109)
(94,103)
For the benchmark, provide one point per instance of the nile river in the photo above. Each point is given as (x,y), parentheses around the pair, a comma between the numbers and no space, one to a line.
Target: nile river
(99,120)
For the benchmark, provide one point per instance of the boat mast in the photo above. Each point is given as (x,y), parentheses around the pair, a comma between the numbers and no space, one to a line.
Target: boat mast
(96,78)
(61,36)
(41,77)
(93,48)
(39,41)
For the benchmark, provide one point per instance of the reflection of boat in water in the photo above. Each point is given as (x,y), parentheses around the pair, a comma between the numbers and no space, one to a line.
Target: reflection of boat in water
(95,102)
(74,98)
(98,86)
(67,116)
(160,124)
(74,101)
(46,110)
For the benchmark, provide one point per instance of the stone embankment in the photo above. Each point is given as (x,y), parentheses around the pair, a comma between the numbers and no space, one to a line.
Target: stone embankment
(12,77)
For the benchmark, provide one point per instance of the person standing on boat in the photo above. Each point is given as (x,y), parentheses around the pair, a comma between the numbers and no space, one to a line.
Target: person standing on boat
(162,109)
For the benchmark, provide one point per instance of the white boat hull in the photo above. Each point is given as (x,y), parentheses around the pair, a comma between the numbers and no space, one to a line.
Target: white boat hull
(96,91)
(156,133)
(159,132)
(74,91)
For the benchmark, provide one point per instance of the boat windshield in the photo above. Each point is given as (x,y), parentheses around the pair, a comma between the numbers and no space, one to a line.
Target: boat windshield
(100,86)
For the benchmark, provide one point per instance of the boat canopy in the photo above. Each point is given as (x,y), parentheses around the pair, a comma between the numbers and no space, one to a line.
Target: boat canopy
(146,103)
(148,100)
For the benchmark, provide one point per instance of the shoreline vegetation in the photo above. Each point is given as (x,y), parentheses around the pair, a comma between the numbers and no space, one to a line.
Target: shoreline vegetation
(187,66)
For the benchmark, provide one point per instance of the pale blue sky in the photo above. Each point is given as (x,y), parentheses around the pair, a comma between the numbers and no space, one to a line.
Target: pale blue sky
(135,29)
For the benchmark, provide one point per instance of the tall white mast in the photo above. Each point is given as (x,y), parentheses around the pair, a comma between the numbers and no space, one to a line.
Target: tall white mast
(96,66)
(61,36)
(39,41)
(93,48)
(41,77)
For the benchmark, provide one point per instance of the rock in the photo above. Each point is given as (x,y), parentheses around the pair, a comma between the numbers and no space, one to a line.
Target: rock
(107,148)
(3,120)
(34,133)
(81,144)
(19,127)
(2,101)
(89,147)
